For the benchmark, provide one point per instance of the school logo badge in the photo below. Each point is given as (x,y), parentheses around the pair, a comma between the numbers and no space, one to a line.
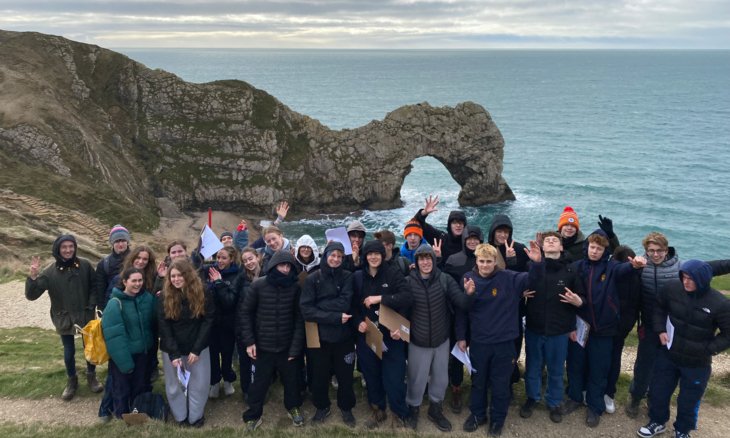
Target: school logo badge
(494,292)
(603,277)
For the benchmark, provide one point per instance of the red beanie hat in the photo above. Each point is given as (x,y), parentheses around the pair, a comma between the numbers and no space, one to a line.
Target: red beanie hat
(413,226)
(568,217)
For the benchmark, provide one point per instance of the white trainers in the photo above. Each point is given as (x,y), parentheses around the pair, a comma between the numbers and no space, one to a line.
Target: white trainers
(610,405)
(651,429)
(215,391)
(228,388)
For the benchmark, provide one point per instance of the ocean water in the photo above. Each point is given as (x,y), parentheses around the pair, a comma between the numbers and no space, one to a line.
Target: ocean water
(642,137)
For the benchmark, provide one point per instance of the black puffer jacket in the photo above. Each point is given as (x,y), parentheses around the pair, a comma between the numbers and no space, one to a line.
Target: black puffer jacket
(517,263)
(186,334)
(463,261)
(696,316)
(546,314)
(388,283)
(269,315)
(227,291)
(433,307)
(451,244)
(326,295)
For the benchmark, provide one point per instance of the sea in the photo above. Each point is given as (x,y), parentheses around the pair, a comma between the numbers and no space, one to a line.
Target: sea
(642,137)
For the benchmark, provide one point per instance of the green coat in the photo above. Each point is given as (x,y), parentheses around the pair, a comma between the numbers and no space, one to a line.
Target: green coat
(71,291)
(128,325)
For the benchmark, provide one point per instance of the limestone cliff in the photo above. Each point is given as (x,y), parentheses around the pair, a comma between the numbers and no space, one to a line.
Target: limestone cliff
(90,129)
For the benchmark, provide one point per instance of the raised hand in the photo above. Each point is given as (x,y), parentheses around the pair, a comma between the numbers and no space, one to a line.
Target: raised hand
(242,225)
(534,253)
(282,209)
(469,286)
(510,248)
(432,203)
(162,269)
(570,298)
(606,225)
(538,238)
(35,267)
(214,274)
(437,246)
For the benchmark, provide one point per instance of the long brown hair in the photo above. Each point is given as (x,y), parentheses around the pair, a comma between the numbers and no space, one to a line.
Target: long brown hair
(150,271)
(251,275)
(192,291)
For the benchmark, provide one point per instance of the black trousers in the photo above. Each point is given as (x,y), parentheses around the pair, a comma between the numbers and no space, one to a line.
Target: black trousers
(339,357)
(265,364)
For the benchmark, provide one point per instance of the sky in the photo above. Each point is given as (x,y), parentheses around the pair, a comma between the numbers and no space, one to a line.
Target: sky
(380,24)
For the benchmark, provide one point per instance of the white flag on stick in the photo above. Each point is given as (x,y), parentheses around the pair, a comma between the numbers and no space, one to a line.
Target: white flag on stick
(209,243)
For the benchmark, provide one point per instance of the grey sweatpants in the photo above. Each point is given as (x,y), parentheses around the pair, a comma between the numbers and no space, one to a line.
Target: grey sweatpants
(427,366)
(191,407)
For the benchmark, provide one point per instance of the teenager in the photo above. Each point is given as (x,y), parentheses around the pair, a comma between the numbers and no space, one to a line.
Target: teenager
(185,316)
(271,327)
(275,242)
(392,252)
(356,233)
(326,300)
(307,254)
(128,326)
(70,285)
(573,237)
(111,265)
(413,233)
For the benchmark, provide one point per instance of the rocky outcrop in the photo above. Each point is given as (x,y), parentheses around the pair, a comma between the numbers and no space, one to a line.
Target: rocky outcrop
(92,129)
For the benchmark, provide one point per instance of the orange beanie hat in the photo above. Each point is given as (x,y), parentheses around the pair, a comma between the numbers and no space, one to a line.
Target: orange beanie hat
(413,226)
(568,217)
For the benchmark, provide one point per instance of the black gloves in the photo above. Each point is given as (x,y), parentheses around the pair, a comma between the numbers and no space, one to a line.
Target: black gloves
(606,225)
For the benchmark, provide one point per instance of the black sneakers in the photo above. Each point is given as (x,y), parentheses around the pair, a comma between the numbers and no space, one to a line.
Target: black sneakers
(436,415)
(472,423)
(321,415)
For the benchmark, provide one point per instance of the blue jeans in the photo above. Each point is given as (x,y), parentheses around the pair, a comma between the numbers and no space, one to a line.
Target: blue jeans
(551,351)
(493,365)
(69,356)
(692,385)
(385,378)
(588,371)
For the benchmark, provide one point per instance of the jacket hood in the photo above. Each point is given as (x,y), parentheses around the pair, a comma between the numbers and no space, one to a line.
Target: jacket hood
(472,230)
(57,246)
(700,272)
(606,251)
(499,221)
(332,246)
(356,226)
(373,246)
(455,215)
(426,249)
(306,240)
(280,257)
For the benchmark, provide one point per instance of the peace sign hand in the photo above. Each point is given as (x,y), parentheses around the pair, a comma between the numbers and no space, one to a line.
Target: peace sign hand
(35,267)
(431,203)
(571,298)
(437,246)
(510,248)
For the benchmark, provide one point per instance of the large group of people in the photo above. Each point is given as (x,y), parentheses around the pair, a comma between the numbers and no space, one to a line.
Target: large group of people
(308,316)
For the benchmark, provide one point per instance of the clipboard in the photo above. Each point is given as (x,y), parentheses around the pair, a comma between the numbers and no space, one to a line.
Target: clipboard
(395,321)
(312,331)
(374,338)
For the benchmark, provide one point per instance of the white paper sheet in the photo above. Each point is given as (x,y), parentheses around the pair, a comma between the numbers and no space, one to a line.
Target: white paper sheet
(339,235)
(210,243)
(582,329)
(183,376)
(463,357)
(670,333)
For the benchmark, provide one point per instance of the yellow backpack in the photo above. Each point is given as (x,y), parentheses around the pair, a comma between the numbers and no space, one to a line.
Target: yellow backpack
(94,345)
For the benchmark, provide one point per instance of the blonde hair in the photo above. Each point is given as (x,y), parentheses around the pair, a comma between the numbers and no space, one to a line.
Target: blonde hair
(486,251)
(656,238)
(192,291)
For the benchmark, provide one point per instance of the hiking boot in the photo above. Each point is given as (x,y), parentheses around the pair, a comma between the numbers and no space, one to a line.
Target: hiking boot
(377,417)
(571,405)
(72,384)
(252,425)
(651,429)
(556,414)
(414,412)
(610,404)
(455,403)
(94,385)
(215,391)
(526,409)
(321,415)
(348,418)
(472,423)
(296,417)
(632,409)
(495,429)
(228,388)
(592,419)
(436,415)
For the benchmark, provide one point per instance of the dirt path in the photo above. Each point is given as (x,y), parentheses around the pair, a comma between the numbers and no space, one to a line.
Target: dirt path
(16,311)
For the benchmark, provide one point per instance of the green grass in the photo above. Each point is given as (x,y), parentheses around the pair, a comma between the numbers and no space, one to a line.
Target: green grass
(8,274)
(722,282)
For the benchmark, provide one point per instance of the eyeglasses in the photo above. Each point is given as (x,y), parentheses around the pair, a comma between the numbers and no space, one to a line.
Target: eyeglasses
(656,251)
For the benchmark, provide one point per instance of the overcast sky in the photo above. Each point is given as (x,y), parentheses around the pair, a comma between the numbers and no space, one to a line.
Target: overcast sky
(702,24)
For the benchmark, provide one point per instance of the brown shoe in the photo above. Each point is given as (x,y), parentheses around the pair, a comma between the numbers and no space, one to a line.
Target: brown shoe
(70,390)
(455,403)
(377,418)
(94,385)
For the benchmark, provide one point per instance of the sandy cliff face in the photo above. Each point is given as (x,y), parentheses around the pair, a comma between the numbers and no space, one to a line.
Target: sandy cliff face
(93,130)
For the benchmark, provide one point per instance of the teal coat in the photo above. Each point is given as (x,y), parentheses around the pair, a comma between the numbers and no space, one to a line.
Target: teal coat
(128,324)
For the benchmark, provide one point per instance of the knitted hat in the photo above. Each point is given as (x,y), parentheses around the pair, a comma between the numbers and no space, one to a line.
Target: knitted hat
(118,232)
(226,233)
(413,226)
(568,217)
(373,246)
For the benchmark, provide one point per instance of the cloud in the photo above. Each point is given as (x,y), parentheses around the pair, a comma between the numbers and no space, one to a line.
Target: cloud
(379,24)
